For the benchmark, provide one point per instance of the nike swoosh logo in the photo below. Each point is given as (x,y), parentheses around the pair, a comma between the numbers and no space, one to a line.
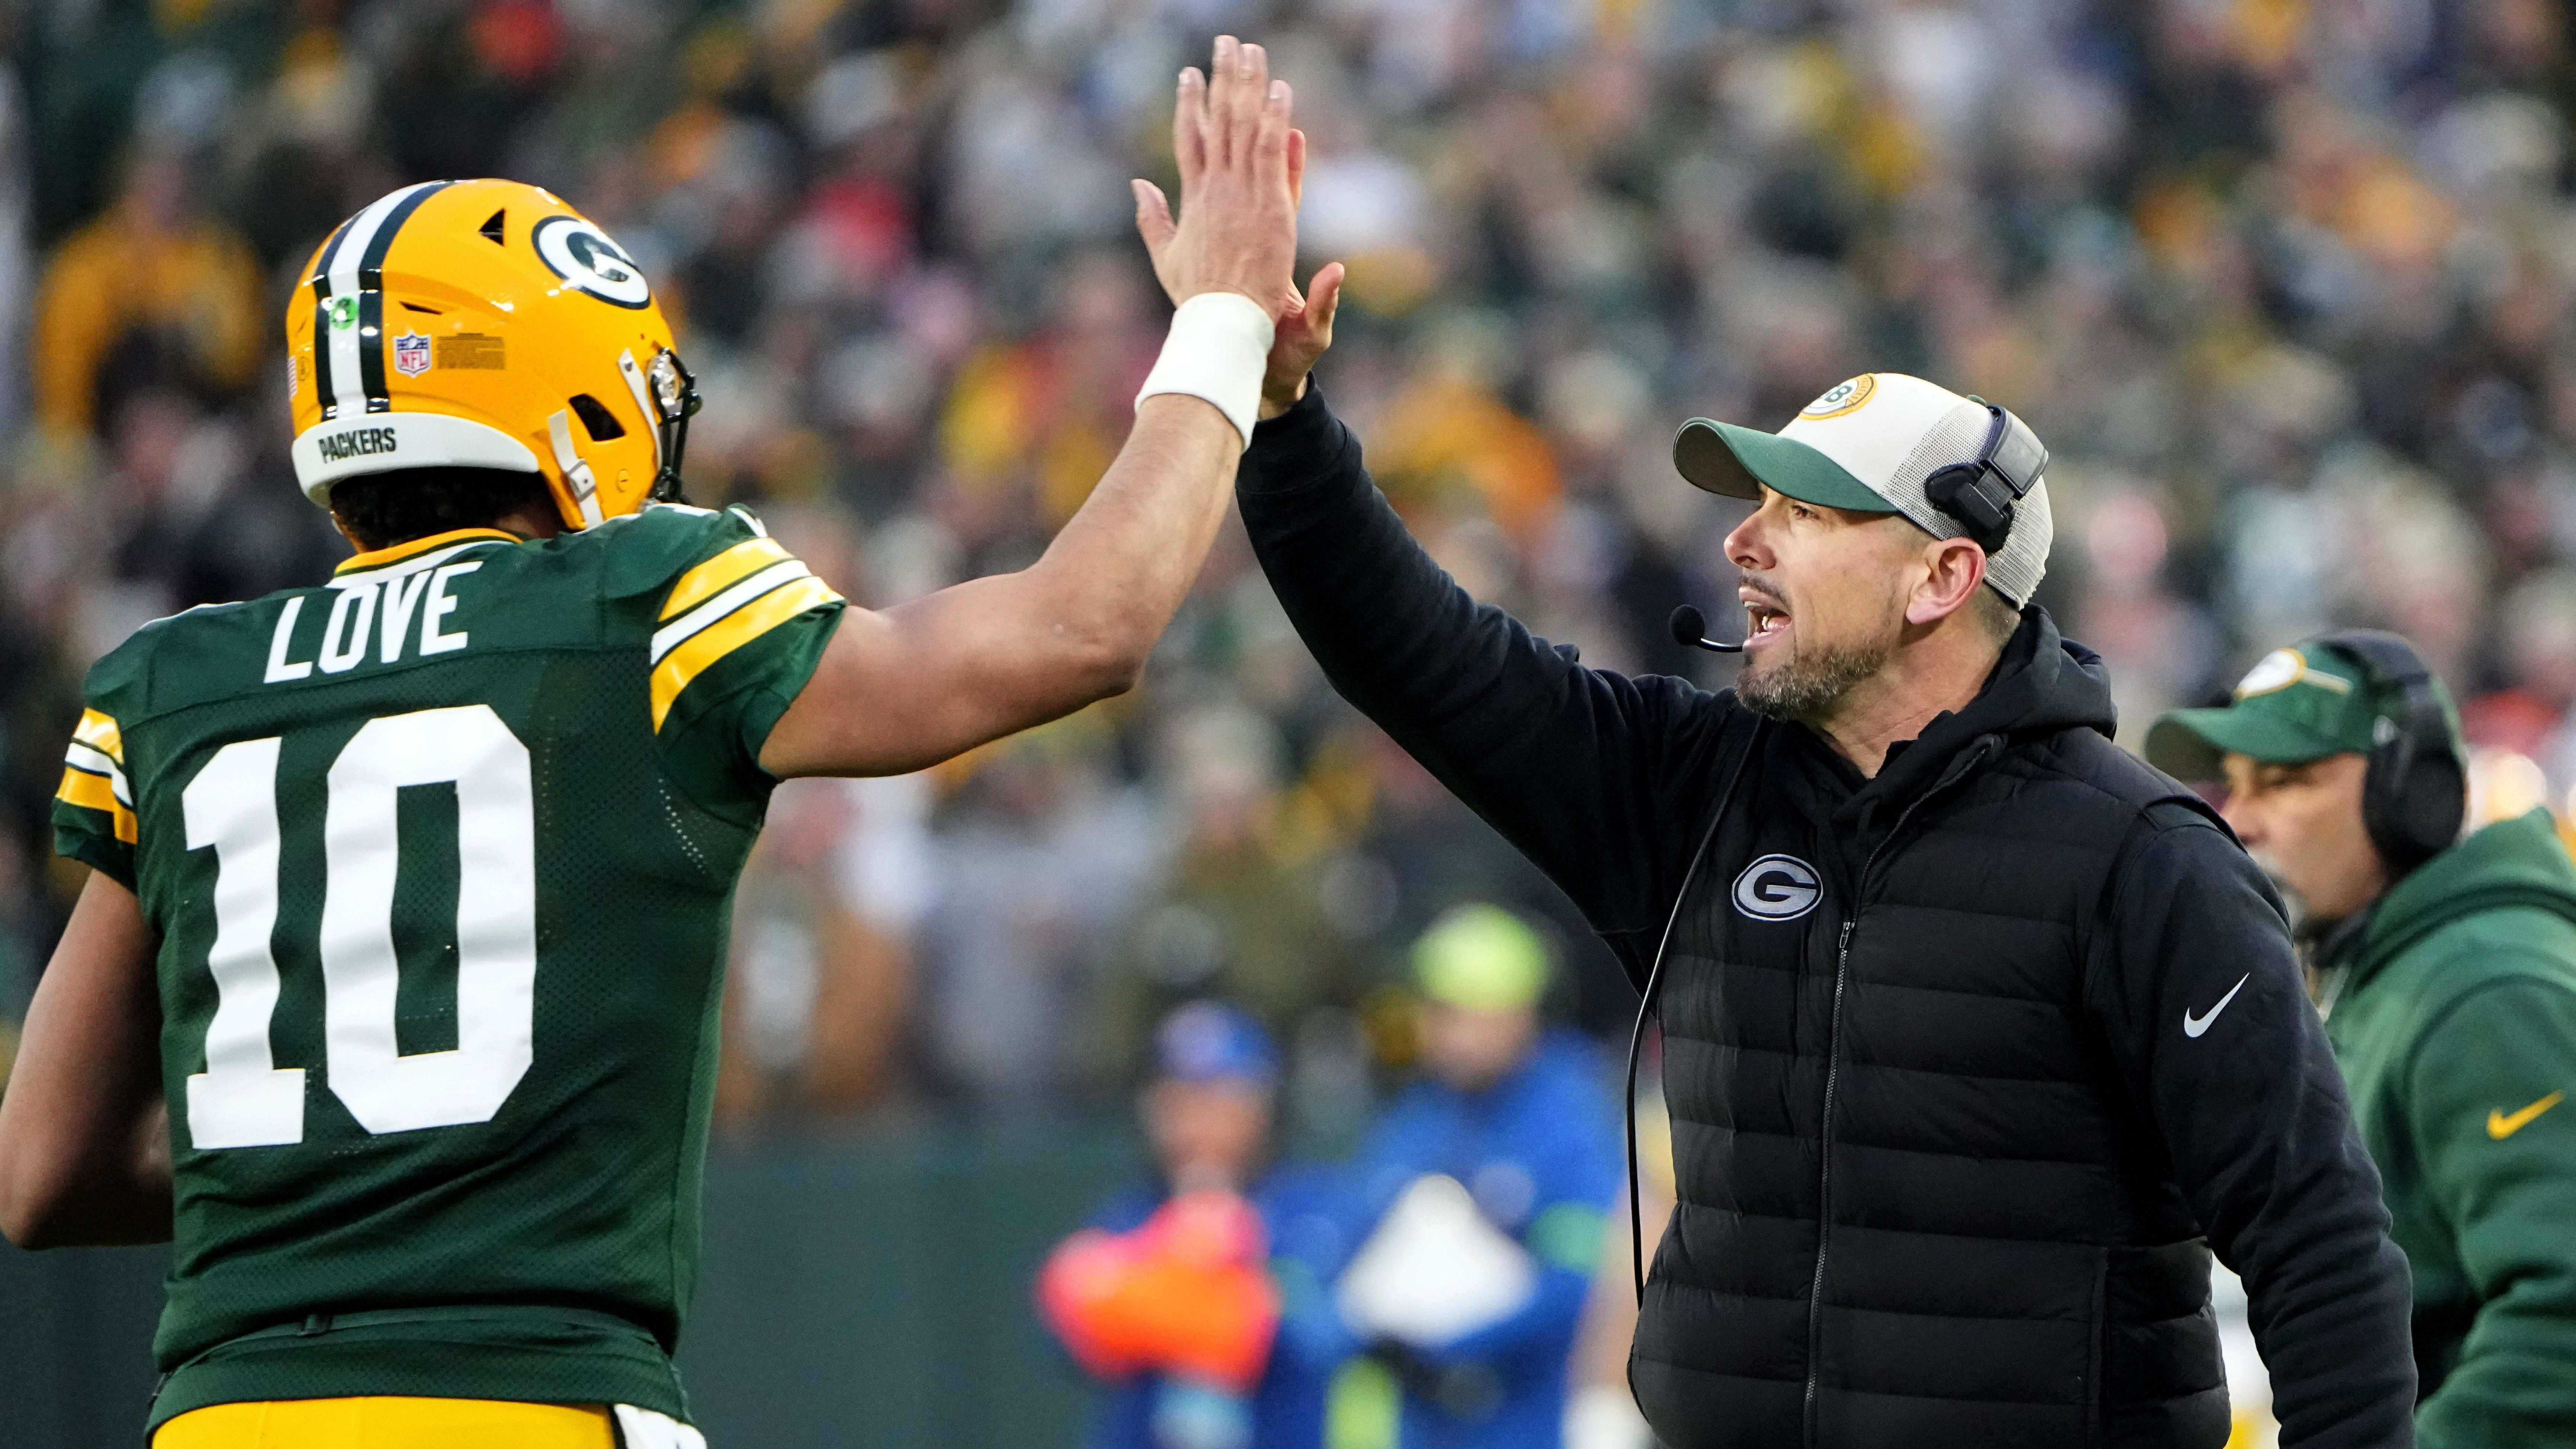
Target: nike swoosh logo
(2500,1126)
(2195,1025)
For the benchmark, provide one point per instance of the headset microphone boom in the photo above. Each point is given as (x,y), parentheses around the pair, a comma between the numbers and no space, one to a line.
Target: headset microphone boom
(1690,628)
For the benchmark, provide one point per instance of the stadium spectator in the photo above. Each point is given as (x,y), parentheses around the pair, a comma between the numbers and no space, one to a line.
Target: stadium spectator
(1198,1300)
(1241,912)
(1487,1180)
(155,264)
(2445,968)
(823,970)
(821,980)
(1928,934)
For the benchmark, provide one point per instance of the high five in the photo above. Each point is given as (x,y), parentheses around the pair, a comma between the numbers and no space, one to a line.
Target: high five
(411,892)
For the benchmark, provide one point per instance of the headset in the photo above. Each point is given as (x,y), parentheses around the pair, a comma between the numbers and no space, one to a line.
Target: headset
(2415,792)
(1981,495)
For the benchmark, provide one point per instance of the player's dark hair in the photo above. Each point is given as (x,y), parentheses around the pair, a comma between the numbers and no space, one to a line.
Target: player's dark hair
(383,509)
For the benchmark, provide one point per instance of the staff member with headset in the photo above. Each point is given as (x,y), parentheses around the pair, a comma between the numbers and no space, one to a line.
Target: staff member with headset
(2446,970)
(1961,1098)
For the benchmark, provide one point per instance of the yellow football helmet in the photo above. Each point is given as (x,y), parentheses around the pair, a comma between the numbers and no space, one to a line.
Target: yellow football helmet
(486,324)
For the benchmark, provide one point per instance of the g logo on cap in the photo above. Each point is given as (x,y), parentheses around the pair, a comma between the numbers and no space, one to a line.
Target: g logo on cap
(584,257)
(1777,888)
(1843,397)
(2279,670)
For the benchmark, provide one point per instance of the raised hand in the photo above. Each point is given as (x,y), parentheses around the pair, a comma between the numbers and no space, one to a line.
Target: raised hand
(1305,331)
(1240,163)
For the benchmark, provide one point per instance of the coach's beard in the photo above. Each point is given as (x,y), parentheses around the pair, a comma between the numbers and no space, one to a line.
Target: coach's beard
(1806,686)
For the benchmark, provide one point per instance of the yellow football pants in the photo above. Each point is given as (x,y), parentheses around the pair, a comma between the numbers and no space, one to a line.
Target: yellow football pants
(389,1423)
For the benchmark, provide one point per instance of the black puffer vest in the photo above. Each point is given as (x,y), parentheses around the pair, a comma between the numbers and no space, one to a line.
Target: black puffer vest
(1917,1206)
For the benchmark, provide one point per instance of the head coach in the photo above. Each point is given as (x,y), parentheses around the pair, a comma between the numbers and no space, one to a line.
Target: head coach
(1980,1034)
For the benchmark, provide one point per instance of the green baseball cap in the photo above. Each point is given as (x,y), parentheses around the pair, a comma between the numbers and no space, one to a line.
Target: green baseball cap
(2297,704)
(1729,459)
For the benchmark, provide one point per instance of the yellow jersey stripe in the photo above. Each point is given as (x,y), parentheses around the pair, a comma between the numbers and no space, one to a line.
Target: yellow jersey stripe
(708,645)
(378,558)
(778,575)
(711,576)
(101,734)
(395,1419)
(93,792)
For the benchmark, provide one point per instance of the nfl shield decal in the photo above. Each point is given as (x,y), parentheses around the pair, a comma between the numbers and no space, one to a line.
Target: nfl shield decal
(411,354)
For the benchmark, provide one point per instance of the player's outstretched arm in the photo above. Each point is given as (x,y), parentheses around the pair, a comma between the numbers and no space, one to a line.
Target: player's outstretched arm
(84,1143)
(907,687)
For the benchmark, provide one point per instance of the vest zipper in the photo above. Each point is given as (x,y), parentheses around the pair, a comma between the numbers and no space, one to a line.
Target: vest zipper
(1833,1074)
(1825,1166)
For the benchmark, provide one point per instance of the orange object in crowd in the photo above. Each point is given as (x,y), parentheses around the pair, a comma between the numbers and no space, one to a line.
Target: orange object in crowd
(1188,1293)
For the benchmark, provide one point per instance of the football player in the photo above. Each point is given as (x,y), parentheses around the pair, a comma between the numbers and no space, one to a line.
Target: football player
(410,892)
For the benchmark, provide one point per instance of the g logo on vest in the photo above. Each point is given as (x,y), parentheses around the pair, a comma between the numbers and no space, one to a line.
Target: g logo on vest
(1777,888)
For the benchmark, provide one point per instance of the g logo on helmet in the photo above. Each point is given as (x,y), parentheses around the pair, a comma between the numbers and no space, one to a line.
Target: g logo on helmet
(583,256)
(1777,888)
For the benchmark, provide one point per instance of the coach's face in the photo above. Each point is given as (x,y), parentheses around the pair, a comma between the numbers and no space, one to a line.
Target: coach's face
(2303,822)
(1824,594)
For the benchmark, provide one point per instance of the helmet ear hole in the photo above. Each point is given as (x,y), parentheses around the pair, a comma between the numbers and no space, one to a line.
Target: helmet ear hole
(597,419)
(491,227)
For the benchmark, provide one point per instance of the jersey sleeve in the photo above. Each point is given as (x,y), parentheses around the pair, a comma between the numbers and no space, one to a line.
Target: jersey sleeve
(738,624)
(94,807)
(2498,1158)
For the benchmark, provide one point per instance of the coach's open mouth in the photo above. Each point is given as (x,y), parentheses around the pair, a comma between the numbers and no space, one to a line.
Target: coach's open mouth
(1763,619)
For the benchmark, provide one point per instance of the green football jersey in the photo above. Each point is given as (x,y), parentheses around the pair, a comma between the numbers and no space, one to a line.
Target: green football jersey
(442,858)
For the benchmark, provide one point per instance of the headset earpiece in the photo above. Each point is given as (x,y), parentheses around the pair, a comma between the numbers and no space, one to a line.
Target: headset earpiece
(1981,495)
(2414,793)
(1967,494)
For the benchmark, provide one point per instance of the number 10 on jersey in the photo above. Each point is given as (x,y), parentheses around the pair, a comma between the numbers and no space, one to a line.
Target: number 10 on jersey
(243,1098)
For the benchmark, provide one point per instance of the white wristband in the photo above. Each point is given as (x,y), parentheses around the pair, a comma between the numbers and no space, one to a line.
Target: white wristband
(1218,348)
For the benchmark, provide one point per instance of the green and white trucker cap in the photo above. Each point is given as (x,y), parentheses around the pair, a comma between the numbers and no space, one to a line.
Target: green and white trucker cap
(1867,445)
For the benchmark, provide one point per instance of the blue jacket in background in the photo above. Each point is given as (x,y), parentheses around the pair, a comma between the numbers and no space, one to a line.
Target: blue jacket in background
(1539,1151)
(1309,1218)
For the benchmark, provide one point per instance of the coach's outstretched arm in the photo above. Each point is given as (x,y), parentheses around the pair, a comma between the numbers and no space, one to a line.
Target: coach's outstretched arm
(1600,779)
(910,686)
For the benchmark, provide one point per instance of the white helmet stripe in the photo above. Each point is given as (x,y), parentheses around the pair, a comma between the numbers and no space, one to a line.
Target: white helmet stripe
(324,390)
(340,276)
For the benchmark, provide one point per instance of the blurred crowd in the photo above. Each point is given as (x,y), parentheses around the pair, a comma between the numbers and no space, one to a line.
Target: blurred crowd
(2287,285)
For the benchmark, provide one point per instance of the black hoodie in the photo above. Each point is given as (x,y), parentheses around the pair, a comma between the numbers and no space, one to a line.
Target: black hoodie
(1970,1063)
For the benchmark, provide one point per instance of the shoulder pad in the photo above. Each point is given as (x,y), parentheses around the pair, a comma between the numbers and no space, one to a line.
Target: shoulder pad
(648,551)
